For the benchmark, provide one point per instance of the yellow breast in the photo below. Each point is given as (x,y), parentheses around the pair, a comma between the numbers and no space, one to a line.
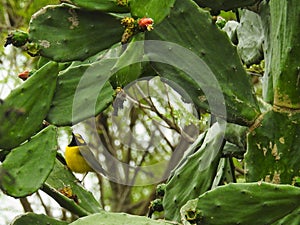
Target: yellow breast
(75,161)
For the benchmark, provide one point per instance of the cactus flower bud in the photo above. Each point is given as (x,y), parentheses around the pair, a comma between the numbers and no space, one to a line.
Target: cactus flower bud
(146,24)
(16,38)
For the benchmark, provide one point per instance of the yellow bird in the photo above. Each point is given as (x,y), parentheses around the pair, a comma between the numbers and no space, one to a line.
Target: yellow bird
(79,157)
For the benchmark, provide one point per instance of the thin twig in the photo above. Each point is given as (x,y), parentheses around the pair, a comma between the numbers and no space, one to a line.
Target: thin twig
(43,204)
(169,103)
(154,109)
(26,205)
(101,189)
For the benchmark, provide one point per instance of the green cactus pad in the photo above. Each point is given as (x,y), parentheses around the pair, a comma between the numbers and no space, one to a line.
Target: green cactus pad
(225,4)
(129,65)
(198,171)
(106,6)
(285,52)
(225,173)
(80,201)
(188,212)
(248,204)
(82,92)
(32,218)
(236,134)
(65,33)
(234,150)
(155,9)
(23,111)
(250,37)
(28,166)
(192,28)
(267,84)
(272,148)
(105,218)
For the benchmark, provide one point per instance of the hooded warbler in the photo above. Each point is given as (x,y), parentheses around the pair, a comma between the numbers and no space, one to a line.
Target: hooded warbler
(79,157)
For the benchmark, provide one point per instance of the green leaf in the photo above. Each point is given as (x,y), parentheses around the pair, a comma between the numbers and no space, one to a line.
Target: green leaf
(28,166)
(105,218)
(80,202)
(203,57)
(65,33)
(23,111)
(254,203)
(32,218)
(197,170)
(155,9)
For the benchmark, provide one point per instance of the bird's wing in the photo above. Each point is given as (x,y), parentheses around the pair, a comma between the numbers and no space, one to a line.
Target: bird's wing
(91,160)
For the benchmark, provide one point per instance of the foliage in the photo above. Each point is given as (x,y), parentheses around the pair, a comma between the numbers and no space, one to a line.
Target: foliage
(15,16)
(98,60)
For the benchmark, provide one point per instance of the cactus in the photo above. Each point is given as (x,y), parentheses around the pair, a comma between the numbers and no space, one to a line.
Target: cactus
(117,6)
(17,38)
(258,203)
(204,39)
(129,64)
(66,190)
(64,111)
(74,32)
(267,85)
(116,219)
(29,165)
(89,32)
(199,170)
(250,36)
(284,38)
(155,9)
(272,145)
(188,212)
(23,111)
(271,155)
(31,218)
(226,4)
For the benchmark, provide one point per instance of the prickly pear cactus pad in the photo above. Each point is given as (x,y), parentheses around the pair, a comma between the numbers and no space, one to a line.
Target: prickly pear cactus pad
(250,37)
(273,147)
(198,171)
(23,111)
(155,9)
(28,166)
(65,33)
(31,218)
(129,66)
(117,6)
(248,204)
(192,28)
(67,191)
(267,84)
(285,52)
(105,218)
(225,4)
(82,92)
